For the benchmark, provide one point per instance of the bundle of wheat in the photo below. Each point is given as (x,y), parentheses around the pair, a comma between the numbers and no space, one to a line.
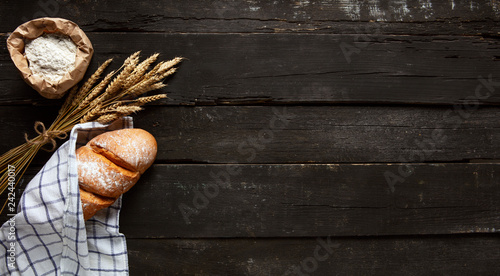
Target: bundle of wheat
(116,95)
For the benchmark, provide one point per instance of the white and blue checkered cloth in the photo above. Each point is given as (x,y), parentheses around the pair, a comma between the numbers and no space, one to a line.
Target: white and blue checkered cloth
(51,237)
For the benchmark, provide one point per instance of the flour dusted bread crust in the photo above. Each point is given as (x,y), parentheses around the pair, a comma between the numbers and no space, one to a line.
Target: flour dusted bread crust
(110,164)
(133,149)
(91,203)
(99,175)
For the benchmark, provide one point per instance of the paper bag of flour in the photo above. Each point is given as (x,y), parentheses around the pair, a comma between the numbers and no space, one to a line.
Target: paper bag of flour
(45,26)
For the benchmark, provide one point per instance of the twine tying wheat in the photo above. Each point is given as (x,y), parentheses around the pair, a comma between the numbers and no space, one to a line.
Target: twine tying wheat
(47,136)
(116,95)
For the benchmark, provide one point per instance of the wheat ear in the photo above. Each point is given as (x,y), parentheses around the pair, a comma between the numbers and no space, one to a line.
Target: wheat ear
(96,90)
(128,67)
(108,118)
(139,71)
(92,80)
(82,93)
(91,114)
(144,100)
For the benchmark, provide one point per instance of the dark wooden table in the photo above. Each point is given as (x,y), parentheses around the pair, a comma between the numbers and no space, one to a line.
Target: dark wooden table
(300,137)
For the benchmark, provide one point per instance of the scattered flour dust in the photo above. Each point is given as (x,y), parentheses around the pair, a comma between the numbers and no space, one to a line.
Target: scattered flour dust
(51,56)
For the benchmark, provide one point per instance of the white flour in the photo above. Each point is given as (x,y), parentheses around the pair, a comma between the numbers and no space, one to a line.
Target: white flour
(51,56)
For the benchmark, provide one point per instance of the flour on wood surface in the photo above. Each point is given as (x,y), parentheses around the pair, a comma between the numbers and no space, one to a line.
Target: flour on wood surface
(51,56)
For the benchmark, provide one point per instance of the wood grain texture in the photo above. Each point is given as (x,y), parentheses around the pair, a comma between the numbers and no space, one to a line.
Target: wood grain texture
(434,17)
(338,200)
(437,255)
(298,134)
(302,68)
(295,123)
(200,201)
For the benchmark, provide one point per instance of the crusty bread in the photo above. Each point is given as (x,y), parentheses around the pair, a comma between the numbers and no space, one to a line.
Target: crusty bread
(133,149)
(111,163)
(101,176)
(91,203)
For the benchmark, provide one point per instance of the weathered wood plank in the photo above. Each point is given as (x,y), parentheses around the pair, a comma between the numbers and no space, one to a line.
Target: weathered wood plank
(290,53)
(262,16)
(298,134)
(301,68)
(198,201)
(210,201)
(443,255)
(322,134)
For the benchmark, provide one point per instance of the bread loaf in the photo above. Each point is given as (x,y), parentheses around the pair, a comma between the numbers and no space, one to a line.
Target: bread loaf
(91,203)
(110,164)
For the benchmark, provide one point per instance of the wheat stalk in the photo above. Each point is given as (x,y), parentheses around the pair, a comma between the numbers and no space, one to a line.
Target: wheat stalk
(108,118)
(140,70)
(95,91)
(92,80)
(145,100)
(116,95)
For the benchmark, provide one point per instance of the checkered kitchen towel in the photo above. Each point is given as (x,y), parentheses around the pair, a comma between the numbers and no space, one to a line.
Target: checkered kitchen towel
(51,237)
